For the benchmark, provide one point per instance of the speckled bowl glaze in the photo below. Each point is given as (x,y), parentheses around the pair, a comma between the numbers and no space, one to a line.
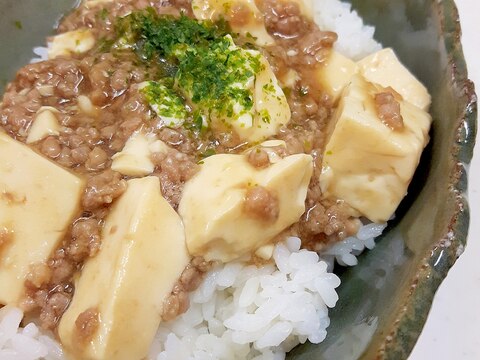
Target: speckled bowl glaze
(384,301)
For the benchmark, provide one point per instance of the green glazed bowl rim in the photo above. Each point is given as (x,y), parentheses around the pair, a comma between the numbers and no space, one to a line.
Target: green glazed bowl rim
(406,323)
(437,261)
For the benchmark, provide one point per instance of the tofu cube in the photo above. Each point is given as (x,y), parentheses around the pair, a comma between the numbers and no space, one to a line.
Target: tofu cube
(38,202)
(366,163)
(143,254)
(335,73)
(217,226)
(72,42)
(384,68)
(134,159)
(45,124)
(252,27)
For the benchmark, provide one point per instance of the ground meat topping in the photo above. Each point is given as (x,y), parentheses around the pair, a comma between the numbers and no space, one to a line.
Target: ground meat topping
(388,110)
(53,307)
(98,106)
(258,158)
(177,302)
(261,204)
(87,324)
(85,239)
(173,169)
(6,237)
(102,189)
(283,19)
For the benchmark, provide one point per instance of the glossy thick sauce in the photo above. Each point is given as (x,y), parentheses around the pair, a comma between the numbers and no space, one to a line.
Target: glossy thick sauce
(99,107)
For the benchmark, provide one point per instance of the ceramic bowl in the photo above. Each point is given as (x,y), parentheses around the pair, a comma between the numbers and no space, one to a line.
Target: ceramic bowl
(384,301)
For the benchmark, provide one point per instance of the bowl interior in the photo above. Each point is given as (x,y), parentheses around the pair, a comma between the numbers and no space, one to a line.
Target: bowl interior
(384,300)
(25,24)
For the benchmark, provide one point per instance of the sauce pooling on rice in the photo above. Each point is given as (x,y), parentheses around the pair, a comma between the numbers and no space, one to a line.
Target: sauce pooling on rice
(181,134)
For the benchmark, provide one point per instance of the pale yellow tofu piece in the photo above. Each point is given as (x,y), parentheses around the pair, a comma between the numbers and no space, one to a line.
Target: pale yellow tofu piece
(335,73)
(289,79)
(38,202)
(159,146)
(86,106)
(167,100)
(92,3)
(135,157)
(254,28)
(384,68)
(216,224)
(143,254)
(270,110)
(71,42)
(269,147)
(44,124)
(265,252)
(366,163)
(271,106)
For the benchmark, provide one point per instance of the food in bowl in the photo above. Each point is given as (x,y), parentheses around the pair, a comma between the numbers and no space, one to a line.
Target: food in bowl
(179,173)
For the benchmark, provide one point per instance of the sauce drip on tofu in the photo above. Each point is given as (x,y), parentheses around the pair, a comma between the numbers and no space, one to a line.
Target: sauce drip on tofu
(183,91)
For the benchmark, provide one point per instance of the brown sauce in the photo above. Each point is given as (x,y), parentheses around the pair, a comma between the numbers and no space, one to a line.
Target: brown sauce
(99,107)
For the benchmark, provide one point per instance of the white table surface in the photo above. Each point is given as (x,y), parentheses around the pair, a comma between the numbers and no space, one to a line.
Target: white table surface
(452,331)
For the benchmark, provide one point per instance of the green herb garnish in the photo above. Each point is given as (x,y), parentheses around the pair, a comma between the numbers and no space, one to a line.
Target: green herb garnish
(207,153)
(103,14)
(165,101)
(155,35)
(215,76)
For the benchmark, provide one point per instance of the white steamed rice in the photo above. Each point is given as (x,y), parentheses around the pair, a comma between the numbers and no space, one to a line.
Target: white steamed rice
(27,343)
(345,252)
(244,312)
(241,311)
(355,39)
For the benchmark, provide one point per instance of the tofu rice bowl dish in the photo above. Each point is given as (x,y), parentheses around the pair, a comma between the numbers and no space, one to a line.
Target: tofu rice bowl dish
(178,178)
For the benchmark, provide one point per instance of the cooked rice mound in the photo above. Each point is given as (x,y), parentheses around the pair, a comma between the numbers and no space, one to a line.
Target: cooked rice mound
(355,39)
(247,312)
(240,311)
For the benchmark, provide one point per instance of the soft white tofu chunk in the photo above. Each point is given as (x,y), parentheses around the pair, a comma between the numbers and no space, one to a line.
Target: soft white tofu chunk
(44,124)
(266,110)
(384,68)
(123,287)
(243,16)
(72,42)
(367,163)
(271,106)
(92,3)
(134,159)
(38,202)
(224,223)
(335,73)
(166,103)
(86,106)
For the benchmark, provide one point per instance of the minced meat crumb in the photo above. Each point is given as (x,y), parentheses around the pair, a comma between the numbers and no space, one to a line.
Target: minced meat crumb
(86,324)
(388,110)
(99,106)
(260,203)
